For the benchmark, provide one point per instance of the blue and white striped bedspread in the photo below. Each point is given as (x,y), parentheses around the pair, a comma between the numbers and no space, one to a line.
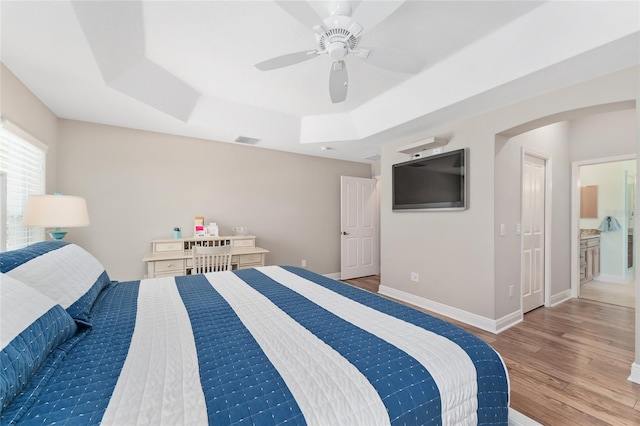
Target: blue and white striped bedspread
(267,346)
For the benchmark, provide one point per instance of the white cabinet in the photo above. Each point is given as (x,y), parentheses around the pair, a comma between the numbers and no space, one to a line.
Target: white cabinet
(589,259)
(172,257)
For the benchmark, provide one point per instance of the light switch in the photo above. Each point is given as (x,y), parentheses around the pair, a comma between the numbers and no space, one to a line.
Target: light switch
(518,229)
(502,230)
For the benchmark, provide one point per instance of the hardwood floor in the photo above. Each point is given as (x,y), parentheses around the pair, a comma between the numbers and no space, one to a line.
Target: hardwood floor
(568,365)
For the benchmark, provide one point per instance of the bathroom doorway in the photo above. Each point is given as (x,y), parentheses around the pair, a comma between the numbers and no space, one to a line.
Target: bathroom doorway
(606,243)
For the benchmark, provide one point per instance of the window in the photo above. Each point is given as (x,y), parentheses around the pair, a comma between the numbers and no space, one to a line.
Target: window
(22,173)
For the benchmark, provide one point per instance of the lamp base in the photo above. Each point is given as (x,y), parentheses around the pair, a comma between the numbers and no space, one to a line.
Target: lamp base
(57,234)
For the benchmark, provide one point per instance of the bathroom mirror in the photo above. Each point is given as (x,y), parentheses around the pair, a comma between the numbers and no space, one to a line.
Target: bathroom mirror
(589,202)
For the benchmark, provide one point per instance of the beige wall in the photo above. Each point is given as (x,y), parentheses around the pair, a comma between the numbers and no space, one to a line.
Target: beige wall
(139,185)
(582,137)
(22,108)
(603,135)
(454,252)
(551,141)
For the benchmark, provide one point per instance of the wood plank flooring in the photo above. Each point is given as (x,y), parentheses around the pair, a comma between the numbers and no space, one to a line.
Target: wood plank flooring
(568,365)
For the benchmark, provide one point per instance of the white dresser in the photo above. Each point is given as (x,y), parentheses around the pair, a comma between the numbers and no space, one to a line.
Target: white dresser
(172,257)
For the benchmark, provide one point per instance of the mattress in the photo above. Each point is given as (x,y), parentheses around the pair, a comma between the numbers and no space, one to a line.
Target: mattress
(269,345)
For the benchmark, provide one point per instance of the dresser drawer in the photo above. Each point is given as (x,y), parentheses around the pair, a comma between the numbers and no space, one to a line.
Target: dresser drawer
(164,247)
(249,259)
(163,266)
(247,242)
(169,274)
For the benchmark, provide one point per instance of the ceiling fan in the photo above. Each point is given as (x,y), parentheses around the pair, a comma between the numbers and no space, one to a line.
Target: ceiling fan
(339,35)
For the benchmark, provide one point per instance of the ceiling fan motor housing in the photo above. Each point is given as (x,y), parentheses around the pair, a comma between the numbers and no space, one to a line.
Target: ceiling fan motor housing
(339,8)
(337,42)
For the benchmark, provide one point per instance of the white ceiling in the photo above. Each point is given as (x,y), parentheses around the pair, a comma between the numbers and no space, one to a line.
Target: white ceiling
(187,67)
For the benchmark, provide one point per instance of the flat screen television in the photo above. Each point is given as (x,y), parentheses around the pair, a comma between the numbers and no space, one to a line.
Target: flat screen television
(437,182)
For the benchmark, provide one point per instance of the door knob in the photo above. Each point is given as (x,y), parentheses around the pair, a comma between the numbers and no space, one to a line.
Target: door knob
(345,233)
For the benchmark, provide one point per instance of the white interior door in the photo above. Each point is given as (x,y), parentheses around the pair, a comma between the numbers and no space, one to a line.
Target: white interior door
(359,233)
(533,227)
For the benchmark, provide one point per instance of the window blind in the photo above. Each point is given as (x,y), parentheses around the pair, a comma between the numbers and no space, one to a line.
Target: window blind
(22,173)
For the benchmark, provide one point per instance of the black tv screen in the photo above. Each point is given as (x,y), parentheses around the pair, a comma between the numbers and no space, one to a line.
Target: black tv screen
(437,182)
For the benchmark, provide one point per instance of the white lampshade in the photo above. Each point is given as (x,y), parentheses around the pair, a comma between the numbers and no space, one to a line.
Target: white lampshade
(56,211)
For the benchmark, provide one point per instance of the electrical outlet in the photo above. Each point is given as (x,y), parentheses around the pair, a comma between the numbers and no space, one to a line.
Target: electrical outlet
(415,277)
(510,291)
(304,263)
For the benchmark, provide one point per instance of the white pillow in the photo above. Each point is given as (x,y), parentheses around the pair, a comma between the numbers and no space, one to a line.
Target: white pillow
(65,272)
(20,306)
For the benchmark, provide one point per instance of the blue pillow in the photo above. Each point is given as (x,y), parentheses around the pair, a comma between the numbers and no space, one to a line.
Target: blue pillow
(33,325)
(65,272)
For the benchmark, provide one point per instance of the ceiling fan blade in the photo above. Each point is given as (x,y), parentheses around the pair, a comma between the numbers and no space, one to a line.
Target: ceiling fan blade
(338,82)
(371,13)
(301,11)
(286,60)
(391,59)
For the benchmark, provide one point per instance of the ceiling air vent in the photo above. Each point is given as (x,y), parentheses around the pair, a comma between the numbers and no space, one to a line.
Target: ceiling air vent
(247,140)
(375,157)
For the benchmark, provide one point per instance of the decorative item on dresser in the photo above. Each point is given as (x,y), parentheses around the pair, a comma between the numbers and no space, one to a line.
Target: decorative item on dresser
(173,256)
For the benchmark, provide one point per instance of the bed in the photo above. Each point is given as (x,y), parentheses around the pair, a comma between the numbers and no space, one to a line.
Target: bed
(269,345)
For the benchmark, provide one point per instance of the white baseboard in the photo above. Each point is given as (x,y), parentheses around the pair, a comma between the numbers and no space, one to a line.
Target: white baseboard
(558,298)
(518,419)
(493,326)
(616,279)
(509,321)
(487,324)
(635,373)
(334,275)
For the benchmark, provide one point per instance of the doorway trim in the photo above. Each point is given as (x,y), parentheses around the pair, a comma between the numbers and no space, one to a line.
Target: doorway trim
(547,221)
(575,214)
(359,215)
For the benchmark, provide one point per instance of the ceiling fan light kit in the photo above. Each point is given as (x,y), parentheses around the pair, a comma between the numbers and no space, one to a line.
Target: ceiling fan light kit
(338,35)
(338,82)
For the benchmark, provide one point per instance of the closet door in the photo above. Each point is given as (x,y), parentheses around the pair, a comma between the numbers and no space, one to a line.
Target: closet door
(533,227)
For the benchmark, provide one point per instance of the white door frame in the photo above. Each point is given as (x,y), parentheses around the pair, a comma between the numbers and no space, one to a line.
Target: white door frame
(359,229)
(575,214)
(547,222)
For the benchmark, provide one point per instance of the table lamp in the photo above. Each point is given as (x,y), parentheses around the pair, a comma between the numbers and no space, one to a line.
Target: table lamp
(56,211)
